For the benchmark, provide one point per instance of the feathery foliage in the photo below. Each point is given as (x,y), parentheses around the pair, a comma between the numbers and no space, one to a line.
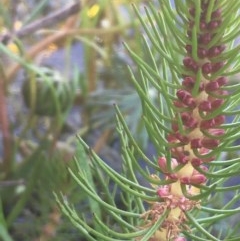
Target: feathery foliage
(187,189)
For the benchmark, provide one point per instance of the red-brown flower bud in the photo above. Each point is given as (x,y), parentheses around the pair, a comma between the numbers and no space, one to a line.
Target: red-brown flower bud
(183,94)
(222,81)
(172,176)
(217,103)
(212,86)
(210,143)
(216,14)
(190,102)
(183,139)
(196,161)
(218,120)
(171,138)
(175,126)
(186,98)
(216,132)
(190,64)
(215,51)
(217,66)
(196,143)
(207,68)
(181,157)
(188,82)
(214,24)
(178,104)
(194,179)
(188,120)
(205,105)
(205,38)
(163,191)
(185,117)
(162,162)
(207,124)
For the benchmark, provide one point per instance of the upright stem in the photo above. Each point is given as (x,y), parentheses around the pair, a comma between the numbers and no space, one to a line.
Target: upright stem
(198,103)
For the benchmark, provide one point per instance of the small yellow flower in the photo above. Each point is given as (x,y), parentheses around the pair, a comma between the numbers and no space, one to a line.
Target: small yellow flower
(93,11)
(17,25)
(13,48)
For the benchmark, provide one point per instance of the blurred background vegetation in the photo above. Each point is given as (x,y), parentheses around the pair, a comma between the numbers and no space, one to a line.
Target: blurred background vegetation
(62,67)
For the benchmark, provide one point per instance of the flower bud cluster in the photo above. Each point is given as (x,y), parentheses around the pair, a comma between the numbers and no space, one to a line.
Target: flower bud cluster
(201,130)
(198,104)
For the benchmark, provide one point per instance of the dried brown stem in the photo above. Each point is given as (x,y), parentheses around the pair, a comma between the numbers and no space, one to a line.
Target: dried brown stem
(34,50)
(47,21)
(4,125)
(49,229)
(101,142)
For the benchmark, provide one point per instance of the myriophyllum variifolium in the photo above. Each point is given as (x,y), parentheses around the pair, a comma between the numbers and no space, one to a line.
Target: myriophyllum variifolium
(198,103)
(188,197)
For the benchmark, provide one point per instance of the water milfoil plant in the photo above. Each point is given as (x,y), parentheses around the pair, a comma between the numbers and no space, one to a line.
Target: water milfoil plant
(196,149)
